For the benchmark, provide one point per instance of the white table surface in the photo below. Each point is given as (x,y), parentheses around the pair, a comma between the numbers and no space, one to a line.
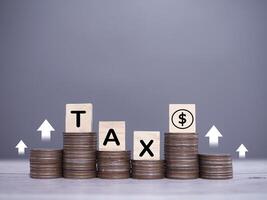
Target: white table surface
(249,182)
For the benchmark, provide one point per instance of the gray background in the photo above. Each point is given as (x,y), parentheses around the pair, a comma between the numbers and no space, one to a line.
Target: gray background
(131,59)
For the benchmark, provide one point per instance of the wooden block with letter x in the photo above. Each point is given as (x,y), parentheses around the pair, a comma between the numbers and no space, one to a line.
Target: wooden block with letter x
(111,136)
(182,118)
(79,118)
(146,145)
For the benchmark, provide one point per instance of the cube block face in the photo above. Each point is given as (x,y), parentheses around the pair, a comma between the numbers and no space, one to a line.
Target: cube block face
(149,140)
(79,118)
(112,136)
(182,118)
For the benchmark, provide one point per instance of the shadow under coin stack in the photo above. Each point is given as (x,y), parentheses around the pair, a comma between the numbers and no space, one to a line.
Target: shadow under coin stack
(46,163)
(215,166)
(79,156)
(148,169)
(181,155)
(113,164)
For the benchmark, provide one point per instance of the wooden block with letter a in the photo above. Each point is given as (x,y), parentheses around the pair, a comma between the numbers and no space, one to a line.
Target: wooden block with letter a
(79,118)
(112,136)
(146,145)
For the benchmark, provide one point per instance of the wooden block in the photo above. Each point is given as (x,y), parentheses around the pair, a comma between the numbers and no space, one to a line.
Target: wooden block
(182,118)
(112,136)
(146,145)
(79,118)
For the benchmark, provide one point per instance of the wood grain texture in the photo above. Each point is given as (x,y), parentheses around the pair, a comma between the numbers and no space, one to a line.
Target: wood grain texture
(146,136)
(119,128)
(86,119)
(175,107)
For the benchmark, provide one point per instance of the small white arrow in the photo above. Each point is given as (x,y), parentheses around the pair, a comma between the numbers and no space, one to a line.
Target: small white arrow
(213,135)
(46,129)
(21,147)
(242,151)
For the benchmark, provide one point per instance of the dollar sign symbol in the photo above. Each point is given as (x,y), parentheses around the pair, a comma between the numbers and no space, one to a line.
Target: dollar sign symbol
(183,120)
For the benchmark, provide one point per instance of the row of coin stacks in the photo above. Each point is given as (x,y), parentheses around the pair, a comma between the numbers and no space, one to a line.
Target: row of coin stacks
(80,158)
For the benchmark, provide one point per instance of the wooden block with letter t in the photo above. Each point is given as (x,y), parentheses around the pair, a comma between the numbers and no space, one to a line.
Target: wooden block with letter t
(111,136)
(146,145)
(79,118)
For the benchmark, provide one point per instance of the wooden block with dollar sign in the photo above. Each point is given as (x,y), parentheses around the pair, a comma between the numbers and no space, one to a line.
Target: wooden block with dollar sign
(182,118)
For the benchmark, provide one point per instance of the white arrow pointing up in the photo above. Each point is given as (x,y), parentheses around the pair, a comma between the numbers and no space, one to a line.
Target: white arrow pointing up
(242,151)
(213,135)
(46,129)
(21,147)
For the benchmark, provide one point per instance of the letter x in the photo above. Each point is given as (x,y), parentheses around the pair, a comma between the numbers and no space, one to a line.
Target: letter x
(146,148)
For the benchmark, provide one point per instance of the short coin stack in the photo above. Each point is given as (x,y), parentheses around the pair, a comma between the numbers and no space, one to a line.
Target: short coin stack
(79,157)
(46,163)
(148,169)
(113,164)
(215,166)
(181,155)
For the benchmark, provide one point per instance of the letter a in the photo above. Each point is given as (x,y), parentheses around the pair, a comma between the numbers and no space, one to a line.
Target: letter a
(114,139)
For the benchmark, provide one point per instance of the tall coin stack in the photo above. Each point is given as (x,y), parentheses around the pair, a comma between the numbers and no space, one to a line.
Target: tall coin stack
(215,166)
(79,157)
(181,155)
(113,164)
(46,163)
(148,169)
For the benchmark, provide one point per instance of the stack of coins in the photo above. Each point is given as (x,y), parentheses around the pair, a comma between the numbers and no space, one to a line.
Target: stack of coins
(46,163)
(113,164)
(148,169)
(181,155)
(79,156)
(215,166)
